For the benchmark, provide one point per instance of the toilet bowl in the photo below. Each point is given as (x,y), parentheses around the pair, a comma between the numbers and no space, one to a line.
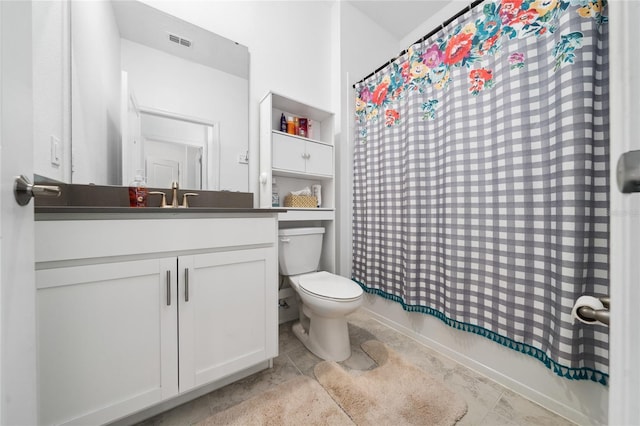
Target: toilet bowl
(325,299)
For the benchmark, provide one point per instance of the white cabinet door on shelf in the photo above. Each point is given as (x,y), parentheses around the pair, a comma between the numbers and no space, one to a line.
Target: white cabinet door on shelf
(319,159)
(301,156)
(106,339)
(289,153)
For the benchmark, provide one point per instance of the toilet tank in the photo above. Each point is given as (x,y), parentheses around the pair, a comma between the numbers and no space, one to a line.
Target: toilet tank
(299,250)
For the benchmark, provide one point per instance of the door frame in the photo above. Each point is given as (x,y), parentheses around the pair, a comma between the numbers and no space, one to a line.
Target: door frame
(624,334)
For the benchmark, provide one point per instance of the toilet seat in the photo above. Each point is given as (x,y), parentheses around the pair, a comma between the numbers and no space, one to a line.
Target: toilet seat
(330,287)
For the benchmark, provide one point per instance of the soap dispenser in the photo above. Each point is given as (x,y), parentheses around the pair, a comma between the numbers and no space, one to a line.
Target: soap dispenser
(138,191)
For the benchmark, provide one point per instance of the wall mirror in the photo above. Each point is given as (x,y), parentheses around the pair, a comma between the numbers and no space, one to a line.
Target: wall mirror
(152,93)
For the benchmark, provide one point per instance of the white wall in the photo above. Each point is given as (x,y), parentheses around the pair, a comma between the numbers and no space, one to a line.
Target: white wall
(166,82)
(95,81)
(289,46)
(364,48)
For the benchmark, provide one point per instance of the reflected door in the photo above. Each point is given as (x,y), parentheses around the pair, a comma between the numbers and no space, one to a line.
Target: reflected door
(178,149)
(161,172)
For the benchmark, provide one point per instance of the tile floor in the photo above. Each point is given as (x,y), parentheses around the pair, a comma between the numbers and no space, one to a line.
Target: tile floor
(490,404)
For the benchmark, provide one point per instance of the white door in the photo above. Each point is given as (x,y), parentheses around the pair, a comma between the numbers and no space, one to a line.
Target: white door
(162,172)
(17,294)
(624,333)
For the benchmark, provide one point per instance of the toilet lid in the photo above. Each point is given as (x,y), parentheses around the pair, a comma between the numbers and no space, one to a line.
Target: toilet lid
(329,285)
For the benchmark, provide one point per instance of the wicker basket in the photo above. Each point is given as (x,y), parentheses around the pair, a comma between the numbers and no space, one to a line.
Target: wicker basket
(305,201)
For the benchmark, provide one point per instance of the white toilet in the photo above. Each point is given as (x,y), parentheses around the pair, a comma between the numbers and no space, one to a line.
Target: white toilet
(326,299)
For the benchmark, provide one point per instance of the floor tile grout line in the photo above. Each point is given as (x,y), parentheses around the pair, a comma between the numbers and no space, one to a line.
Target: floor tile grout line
(495,404)
(294,364)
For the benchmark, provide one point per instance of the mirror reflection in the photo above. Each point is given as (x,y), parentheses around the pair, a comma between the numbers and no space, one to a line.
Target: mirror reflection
(154,93)
(178,150)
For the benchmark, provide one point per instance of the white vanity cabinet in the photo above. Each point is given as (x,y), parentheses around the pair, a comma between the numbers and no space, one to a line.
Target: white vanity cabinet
(135,312)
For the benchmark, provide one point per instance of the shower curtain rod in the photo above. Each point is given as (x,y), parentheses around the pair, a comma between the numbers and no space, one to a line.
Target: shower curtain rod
(444,24)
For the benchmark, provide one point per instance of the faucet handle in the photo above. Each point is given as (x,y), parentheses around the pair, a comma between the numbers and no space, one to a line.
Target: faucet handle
(185,203)
(163,203)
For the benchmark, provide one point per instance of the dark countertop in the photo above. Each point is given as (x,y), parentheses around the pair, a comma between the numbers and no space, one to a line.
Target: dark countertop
(87,202)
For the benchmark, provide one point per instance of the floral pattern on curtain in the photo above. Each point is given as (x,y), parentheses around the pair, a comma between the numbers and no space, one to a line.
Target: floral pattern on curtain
(481,178)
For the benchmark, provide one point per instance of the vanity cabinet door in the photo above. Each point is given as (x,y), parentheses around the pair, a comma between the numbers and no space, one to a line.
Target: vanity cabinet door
(229,320)
(106,339)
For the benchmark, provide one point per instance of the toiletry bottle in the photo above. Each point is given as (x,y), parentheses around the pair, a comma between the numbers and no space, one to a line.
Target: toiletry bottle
(138,191)
(316,190)
(275,197)
(291,126)
(303,127)
(283,123)
(296,126)
(310,133)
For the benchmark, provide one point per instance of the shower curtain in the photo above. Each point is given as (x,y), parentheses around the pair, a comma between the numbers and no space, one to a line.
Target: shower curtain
(481,178)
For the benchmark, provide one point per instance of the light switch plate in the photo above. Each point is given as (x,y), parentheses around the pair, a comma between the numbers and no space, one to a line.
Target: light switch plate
(55,151)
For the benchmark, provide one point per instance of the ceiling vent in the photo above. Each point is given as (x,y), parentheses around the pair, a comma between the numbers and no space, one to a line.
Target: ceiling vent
(179,40)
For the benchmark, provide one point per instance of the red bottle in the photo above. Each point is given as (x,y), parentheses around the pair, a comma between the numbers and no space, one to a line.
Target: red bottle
(138,191)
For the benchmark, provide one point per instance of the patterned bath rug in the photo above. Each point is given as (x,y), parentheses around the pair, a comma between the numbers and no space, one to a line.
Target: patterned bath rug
(299,401)
(394,393)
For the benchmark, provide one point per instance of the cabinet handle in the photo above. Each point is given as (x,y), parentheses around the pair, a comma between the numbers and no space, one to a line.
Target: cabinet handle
(168,288)
(186,284)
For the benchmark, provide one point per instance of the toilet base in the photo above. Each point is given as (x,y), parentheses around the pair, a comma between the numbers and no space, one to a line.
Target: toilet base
(327,338)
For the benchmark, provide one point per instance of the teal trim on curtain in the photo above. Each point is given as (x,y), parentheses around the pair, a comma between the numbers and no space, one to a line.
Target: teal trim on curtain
(584,373)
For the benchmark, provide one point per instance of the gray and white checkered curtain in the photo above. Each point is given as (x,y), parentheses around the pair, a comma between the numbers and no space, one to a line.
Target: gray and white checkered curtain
(481,178)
